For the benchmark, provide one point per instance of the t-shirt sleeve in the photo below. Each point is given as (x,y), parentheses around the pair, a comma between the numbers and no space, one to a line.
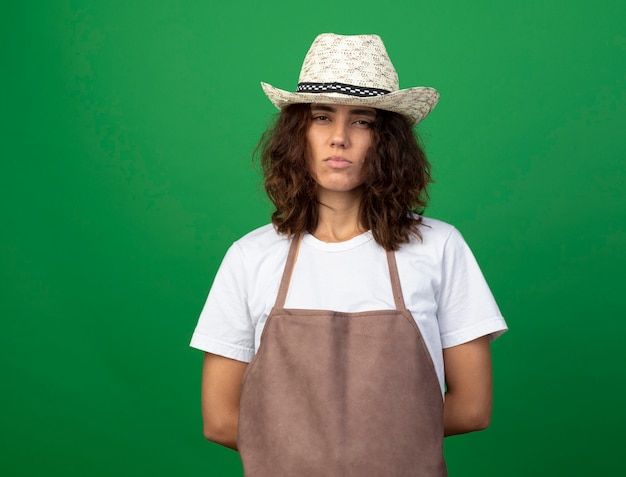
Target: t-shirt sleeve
(467,309)
(224,326)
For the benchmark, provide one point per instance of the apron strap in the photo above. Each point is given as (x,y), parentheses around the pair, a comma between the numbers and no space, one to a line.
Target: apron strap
(284,282)
(396,288)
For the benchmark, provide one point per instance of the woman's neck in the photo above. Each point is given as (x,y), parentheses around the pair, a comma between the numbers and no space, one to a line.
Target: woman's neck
(338,216)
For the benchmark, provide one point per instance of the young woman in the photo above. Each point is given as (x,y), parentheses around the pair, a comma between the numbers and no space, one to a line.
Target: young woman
(351,334)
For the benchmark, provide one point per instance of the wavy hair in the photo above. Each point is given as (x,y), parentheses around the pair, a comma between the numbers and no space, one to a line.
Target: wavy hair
(397,174)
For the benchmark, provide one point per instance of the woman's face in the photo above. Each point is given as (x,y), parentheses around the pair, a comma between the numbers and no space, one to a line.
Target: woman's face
(338,138)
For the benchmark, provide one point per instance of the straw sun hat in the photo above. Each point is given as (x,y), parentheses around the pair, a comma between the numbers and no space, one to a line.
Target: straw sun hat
(354,70)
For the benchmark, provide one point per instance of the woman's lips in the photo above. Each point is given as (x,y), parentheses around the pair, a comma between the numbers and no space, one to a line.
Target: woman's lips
(337,162)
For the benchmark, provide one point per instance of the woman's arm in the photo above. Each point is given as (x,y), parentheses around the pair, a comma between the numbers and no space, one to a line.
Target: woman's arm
(221,387)
(468,398)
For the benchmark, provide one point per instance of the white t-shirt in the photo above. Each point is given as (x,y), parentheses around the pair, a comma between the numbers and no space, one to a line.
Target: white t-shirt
(442,285)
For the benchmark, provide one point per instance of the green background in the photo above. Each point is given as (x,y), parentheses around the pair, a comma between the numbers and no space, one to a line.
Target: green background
(126,133)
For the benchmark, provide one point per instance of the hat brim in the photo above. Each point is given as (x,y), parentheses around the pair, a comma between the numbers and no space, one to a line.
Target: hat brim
(414,103)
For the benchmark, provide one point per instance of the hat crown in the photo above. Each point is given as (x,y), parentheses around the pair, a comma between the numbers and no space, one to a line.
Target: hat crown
(359,60)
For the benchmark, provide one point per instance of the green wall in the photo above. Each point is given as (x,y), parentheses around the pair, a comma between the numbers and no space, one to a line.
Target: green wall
(126,132)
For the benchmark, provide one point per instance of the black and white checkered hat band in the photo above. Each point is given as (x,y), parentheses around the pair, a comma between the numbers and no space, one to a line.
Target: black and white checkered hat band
(343,88)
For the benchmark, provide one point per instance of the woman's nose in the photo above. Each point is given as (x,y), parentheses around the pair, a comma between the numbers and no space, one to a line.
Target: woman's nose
(339,135)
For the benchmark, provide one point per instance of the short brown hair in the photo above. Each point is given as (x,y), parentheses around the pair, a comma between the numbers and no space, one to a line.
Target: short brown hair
(397,174)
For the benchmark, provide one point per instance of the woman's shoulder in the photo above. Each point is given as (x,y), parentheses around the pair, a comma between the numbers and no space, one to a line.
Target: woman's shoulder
(262,242)
(436,239)
(434,231)
(266,234)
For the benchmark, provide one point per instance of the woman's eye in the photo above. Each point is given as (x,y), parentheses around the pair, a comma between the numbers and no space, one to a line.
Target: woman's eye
(320,117)
(363,122)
